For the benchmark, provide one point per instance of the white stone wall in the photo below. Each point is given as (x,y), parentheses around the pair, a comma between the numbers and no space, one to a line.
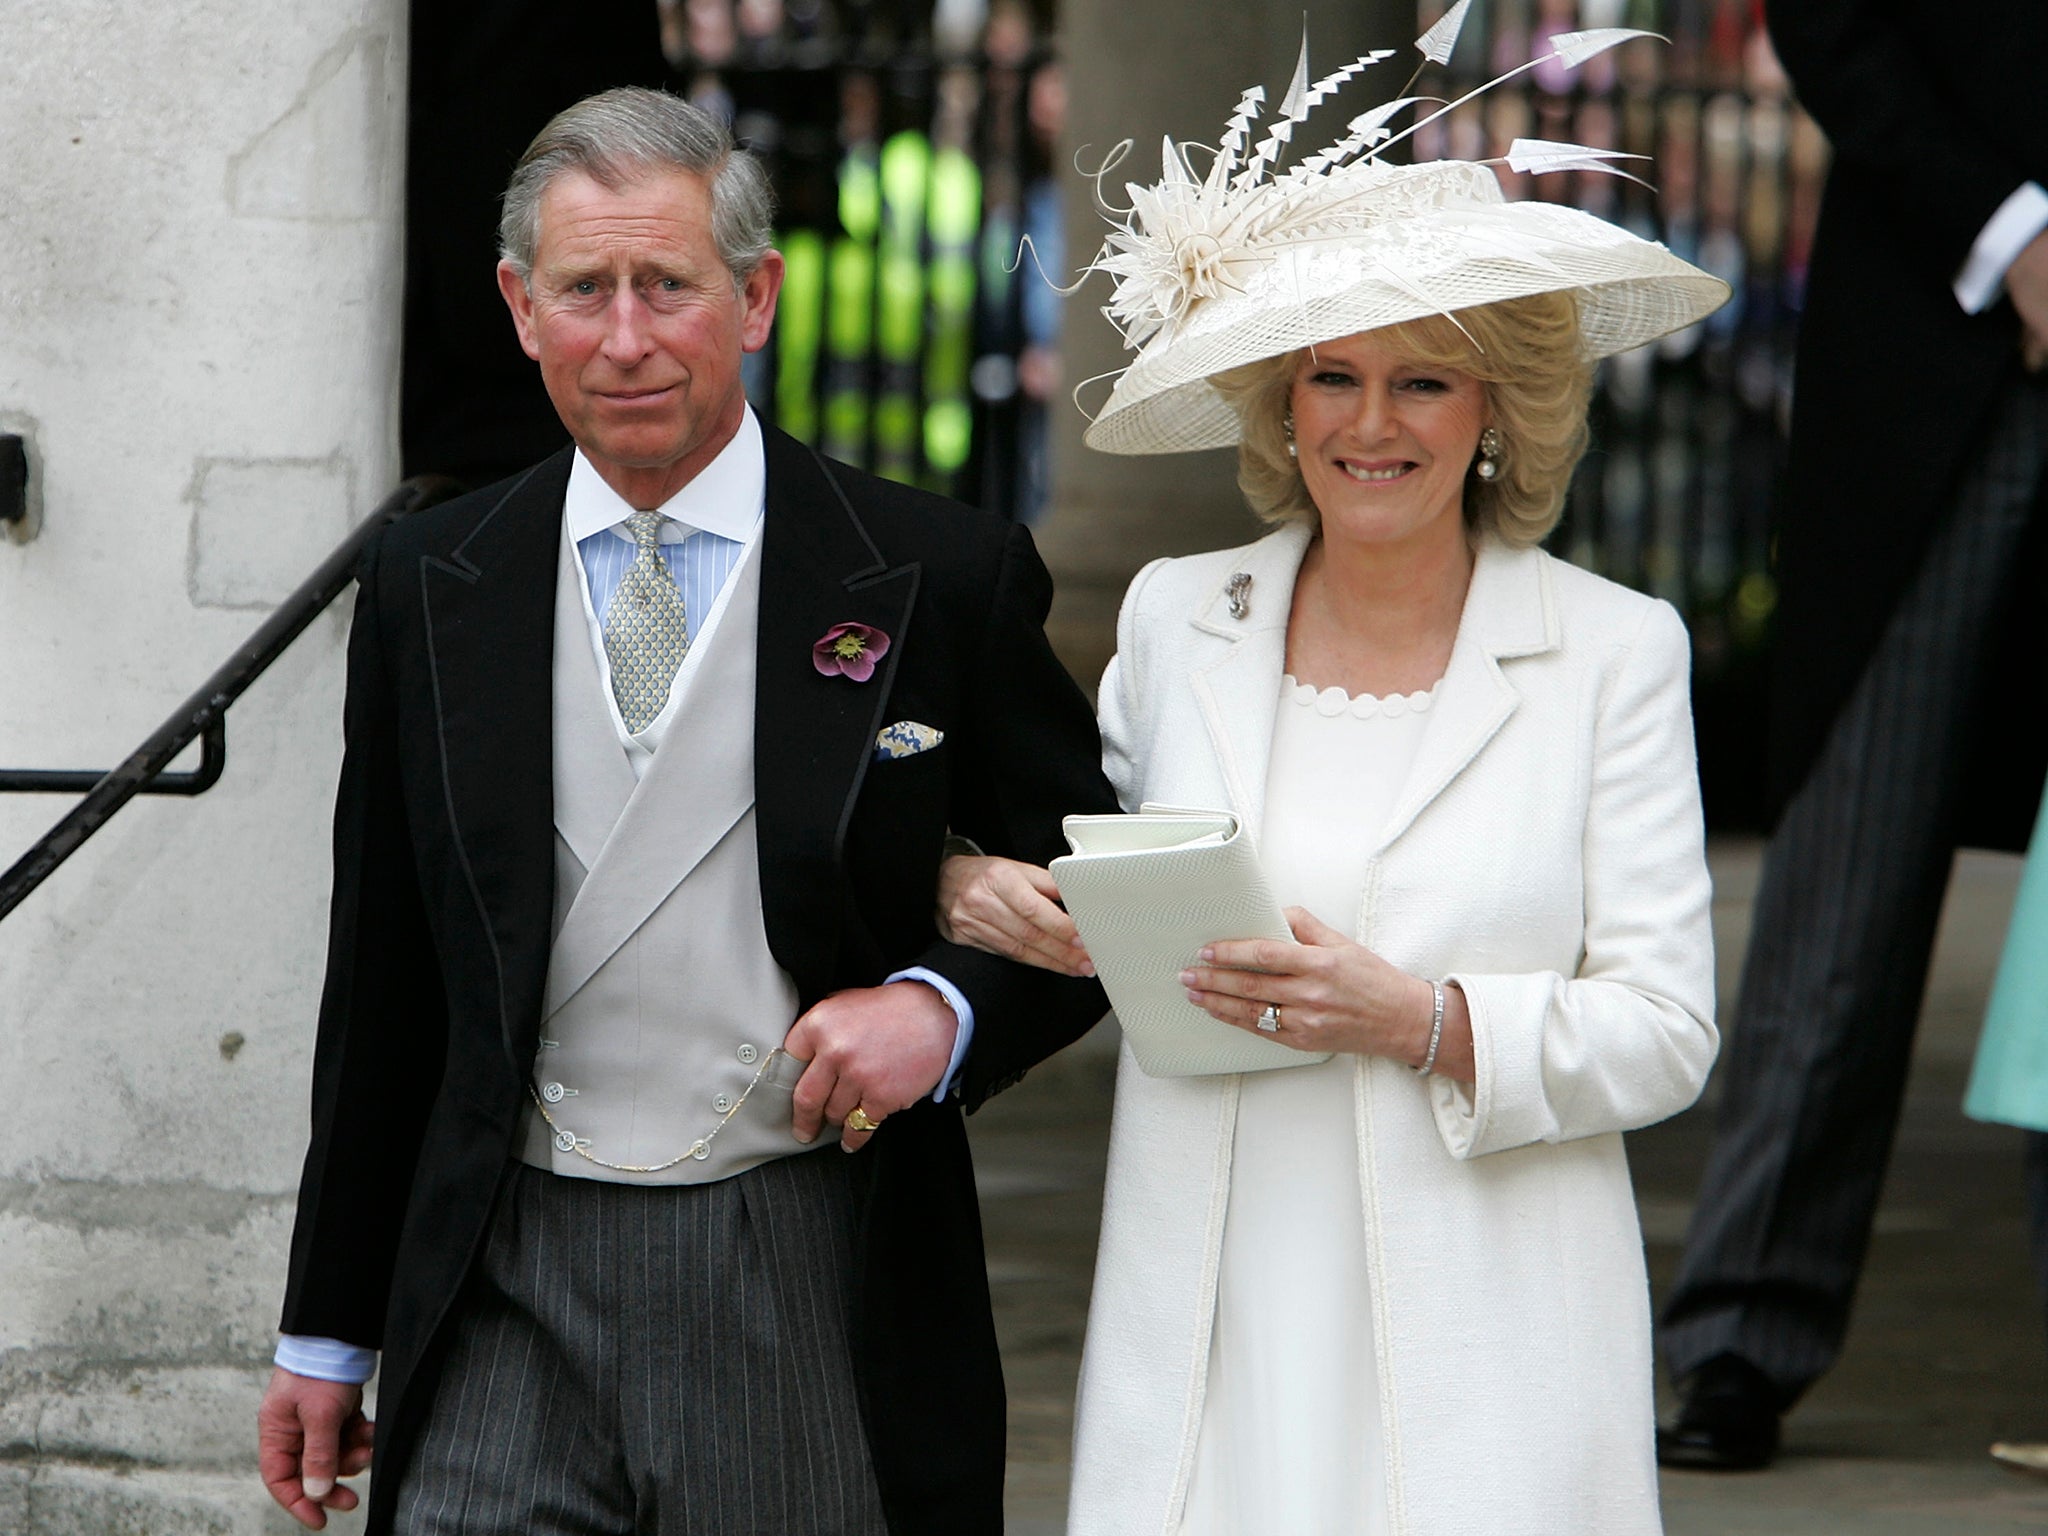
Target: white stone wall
(200,210)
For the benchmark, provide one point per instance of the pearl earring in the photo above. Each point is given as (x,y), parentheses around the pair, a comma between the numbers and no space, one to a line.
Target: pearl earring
(1488,466)
(1287,426)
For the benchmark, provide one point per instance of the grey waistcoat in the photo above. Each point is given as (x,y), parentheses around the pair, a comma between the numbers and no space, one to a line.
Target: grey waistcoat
(663,1001)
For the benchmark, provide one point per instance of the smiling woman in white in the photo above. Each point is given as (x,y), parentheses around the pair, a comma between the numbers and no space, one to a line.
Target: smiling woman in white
(1400,1289)
(1344,1298)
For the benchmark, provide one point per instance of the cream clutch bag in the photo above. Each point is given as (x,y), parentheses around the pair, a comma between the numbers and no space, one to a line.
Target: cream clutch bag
(1147,892)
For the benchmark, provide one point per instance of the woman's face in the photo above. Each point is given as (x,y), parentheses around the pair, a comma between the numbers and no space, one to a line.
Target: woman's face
(1383,441)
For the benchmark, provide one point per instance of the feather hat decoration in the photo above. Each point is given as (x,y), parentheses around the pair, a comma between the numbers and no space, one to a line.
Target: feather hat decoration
(1243,257)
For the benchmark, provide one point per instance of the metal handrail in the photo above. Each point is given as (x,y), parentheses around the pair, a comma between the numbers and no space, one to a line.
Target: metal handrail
(213,759)
(202,717)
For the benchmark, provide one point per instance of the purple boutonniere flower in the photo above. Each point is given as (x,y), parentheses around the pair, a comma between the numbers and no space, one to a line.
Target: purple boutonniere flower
(850,650)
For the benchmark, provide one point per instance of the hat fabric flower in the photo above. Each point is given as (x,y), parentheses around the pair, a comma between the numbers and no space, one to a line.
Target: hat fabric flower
(849,650)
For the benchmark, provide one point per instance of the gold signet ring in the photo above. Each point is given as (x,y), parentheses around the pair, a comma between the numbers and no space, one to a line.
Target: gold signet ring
(861,1120)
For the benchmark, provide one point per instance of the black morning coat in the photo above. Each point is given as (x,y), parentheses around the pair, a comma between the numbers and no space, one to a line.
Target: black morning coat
(1935,113)
(443,893)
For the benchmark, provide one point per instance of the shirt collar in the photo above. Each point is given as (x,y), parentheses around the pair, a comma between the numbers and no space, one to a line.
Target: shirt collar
(724,497)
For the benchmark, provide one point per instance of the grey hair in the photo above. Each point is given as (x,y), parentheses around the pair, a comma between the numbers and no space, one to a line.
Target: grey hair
(618,136)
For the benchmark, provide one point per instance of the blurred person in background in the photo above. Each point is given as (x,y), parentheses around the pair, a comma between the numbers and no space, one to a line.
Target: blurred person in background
(1908,565)
(2009,1077)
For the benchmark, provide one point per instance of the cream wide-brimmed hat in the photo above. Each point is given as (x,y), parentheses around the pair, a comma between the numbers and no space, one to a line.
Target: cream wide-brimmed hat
(1249,261)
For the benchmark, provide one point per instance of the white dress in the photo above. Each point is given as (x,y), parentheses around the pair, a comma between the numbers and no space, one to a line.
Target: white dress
(1290,1441)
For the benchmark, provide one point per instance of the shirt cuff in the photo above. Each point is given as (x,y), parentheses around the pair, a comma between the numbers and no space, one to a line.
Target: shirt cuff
(962,1010)
(325,1359)
(2005,234)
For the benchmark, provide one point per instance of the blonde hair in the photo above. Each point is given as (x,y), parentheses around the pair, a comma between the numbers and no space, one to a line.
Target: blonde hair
(1526,353)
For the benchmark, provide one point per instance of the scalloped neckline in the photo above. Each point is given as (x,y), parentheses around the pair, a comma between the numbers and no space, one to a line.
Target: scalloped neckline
(1332,702)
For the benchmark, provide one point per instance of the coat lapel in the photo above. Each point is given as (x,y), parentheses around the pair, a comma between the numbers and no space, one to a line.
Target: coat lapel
(1509,611)
(814,735)
(488,606)
(1239,691)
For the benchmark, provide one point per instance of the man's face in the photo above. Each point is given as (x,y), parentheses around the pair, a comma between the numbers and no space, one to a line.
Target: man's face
(638,327)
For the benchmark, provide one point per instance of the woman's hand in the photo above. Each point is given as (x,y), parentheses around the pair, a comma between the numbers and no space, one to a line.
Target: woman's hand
(1009,908)
(1331,995)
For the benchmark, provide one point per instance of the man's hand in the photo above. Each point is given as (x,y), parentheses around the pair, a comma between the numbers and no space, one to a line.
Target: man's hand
(879,1048)
(1009,909)
(2026,280)
(308,1433)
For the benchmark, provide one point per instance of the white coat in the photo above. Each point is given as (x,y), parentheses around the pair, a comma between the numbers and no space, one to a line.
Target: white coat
(1547,854)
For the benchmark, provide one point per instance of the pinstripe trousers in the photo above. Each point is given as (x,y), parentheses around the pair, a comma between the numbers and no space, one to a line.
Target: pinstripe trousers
(634,1361)
(1844,924)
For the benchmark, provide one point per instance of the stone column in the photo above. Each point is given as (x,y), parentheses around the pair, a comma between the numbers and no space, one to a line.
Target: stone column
(1138,71)
(199,310)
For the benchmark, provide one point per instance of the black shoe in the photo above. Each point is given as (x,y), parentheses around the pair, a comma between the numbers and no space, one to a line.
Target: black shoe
(1727,1423)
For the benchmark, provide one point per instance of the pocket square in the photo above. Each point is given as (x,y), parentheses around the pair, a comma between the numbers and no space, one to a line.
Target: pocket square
(906,738)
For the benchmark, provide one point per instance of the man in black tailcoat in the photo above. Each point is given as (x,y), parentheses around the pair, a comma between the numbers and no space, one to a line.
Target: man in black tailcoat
(651,755)
(1909,665)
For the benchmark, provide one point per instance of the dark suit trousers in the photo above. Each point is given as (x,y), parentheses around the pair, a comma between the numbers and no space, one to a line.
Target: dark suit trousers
(1845,917)
(632,1361)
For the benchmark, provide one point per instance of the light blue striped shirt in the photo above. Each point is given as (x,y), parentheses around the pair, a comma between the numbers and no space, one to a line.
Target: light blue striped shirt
(706,528)
(699,560)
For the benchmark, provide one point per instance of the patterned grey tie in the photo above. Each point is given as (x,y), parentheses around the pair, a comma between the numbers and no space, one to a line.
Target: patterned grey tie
(645,635)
